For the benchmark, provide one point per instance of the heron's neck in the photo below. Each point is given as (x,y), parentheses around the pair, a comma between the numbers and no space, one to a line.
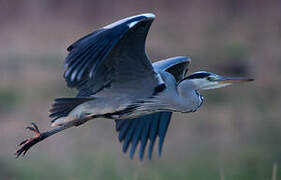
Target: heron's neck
(186,86)
(194,84)
(189,96)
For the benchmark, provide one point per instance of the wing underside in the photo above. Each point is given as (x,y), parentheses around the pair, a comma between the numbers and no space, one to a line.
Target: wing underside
(177,66)
(141,130)
(112,57)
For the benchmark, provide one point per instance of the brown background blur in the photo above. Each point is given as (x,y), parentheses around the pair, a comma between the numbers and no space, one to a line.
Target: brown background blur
(234,135)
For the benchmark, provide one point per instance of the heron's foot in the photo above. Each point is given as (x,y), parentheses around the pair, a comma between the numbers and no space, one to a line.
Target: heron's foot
(28,143)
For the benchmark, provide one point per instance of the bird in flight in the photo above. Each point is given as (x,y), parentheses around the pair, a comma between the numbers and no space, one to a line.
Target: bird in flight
(116,80)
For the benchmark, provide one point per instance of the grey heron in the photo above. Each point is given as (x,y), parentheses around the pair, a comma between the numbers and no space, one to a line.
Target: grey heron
(116,80)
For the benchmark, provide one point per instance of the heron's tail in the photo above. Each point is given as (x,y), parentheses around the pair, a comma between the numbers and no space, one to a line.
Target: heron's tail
(63,106)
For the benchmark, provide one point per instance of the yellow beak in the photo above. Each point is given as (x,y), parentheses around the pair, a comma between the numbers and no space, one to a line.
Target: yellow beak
(224,80)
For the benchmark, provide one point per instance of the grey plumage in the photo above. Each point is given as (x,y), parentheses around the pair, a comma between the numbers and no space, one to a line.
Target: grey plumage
(115,79)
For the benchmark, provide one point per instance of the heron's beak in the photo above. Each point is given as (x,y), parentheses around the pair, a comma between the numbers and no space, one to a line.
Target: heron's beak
(230,80)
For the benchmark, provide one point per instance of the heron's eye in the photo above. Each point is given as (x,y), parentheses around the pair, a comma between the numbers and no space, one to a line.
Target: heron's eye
(210,78)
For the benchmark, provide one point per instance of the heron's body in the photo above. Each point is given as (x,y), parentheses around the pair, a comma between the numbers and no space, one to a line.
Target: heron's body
(119,106)
(116,80)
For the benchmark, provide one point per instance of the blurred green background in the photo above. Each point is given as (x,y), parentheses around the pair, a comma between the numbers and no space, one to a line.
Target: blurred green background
(235,135)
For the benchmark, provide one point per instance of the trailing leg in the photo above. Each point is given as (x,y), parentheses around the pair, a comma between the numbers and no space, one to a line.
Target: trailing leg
(28,143)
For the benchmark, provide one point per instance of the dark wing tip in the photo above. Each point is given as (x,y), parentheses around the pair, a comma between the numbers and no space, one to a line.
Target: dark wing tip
(140,130)
(177,66)
(87,54)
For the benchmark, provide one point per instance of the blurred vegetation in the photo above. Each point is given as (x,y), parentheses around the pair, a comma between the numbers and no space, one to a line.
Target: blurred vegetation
(102,167)
(8,99)
(235,135)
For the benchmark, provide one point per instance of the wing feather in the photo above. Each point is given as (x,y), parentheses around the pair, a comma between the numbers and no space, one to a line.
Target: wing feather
(142,129)
(113,54)
(177,66)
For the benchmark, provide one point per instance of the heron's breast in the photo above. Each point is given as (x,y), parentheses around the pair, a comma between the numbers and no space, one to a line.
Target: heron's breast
(189,103)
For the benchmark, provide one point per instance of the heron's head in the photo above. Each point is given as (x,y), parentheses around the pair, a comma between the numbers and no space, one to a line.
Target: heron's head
(206,80)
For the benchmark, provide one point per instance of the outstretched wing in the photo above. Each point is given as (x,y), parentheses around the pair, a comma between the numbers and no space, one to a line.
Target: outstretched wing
(177,66)
(142,129)
(113,58)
